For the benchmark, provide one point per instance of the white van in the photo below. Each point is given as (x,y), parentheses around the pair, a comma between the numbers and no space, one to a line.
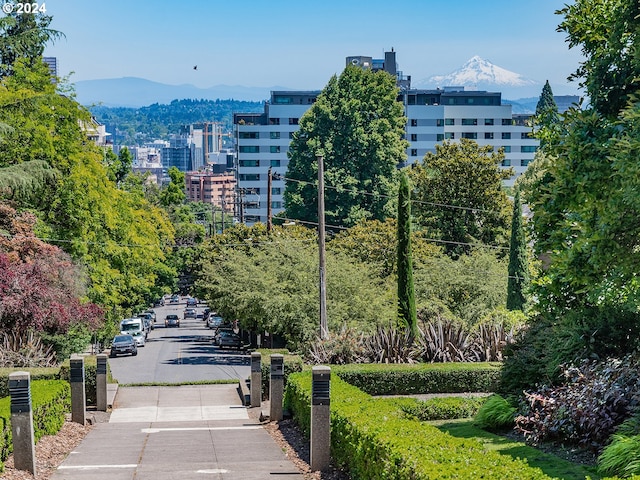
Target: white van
(135,328)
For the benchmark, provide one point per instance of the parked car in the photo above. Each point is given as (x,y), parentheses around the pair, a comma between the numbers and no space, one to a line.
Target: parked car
(152,312)
(190,313)
(214,322)
(172,320)
(148,321)
(206,313)
(226,338)
(123,344)
(135,328)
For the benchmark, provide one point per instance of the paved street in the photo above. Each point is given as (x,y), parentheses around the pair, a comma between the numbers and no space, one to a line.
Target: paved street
(179,355)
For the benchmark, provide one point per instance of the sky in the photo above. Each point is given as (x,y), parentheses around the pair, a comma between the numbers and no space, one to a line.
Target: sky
(301,44)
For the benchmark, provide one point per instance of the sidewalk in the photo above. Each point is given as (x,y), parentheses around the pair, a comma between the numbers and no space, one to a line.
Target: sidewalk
(201,431)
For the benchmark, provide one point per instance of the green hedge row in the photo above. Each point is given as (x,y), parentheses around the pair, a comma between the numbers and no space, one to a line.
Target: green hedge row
(49,373)
(50,400)
(387,379)
(292,364)
(374,439)
(90,367)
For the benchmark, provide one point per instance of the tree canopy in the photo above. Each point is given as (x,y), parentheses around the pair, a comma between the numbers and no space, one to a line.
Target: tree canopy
(357,124)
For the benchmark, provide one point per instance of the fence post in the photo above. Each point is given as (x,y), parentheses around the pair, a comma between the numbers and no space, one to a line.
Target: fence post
(24,454)
(78,396)
(320,418)
(276,387)
(256,379)
(101,383)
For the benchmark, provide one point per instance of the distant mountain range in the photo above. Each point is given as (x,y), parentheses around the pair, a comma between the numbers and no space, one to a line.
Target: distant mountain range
(476,74)
(138,92)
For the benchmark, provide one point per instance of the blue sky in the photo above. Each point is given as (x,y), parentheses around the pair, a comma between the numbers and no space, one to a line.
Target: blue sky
(300,44)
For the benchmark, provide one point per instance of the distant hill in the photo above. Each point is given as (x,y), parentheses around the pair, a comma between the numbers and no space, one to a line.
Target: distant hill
(135,126)
(138,92)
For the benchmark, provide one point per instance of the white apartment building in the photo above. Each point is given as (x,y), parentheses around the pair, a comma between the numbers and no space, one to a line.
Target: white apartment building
(433,116)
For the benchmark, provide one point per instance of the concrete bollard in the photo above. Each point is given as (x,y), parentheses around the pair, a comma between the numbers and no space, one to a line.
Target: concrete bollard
(101,383)
(256,379)
(24,450)
(320,418)
(276,387)
(78,397)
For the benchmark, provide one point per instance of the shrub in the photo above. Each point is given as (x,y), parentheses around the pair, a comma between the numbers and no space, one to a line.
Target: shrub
(340,348)
(495,414)
(445,408)
(292,363)
(595,398)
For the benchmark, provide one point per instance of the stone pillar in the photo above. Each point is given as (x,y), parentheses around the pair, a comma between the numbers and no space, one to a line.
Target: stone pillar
(24,450)
(320,418)
(256,379)
(276,387)
(101,383)
(78,397)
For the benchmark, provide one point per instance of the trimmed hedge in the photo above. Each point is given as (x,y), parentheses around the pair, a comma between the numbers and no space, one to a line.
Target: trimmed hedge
(292,364)
(50,400)
(374,439)
(40,373)
(448,408)
(387,379)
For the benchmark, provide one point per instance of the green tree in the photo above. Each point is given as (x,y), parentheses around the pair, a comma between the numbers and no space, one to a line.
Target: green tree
(608,33)
(174,194)
(459,195)
(547,119)
(406,293)
(518,260)
(357,124)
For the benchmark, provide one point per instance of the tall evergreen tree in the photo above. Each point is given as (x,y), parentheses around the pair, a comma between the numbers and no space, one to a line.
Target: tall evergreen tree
(518,265)
(358,125)
(406,292)
(547,118)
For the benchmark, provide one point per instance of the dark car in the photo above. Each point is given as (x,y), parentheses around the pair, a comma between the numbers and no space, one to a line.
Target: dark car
(172,321)
(205,313)
(123,344)
(226,338)
(192,302)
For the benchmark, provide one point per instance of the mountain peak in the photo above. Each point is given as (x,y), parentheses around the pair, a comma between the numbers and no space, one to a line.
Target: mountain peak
(479,73)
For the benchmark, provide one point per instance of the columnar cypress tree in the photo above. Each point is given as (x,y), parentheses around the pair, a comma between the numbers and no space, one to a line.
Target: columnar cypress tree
(406,292)
(518,265)
(547,118)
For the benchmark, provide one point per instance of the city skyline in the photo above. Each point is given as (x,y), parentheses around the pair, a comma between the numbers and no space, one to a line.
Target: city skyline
(301,45)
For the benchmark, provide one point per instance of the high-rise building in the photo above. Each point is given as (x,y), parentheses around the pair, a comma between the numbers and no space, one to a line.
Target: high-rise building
(433,116)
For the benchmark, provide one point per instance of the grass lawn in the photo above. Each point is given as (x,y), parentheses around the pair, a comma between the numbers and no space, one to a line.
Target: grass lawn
(552,465)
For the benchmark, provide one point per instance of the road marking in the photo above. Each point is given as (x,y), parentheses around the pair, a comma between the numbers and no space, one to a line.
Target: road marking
(215,470)
(94,467)
(198,429)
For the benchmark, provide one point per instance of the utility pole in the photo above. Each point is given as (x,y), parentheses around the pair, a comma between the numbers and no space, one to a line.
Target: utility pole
(324,331)
(224,194)
(269,223)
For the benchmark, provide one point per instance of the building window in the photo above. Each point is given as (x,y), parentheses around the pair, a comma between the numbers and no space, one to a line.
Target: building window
(440,122)
(274,148)
(506,149)
(249,149)
(507,121)
(525,162)
(249,135)
(449,135)
(488,135)
(488,121)
(439,137)
(414,152)
(469,121)
(275,163)
(249,177)
(506,135)
(449,121)
(506,163)
(249,163)
(291,135)
(528,148)
(414,137)
(274,121)
(274,135)
(414,122)
(525,135)
(470,135)
(252,218)
(293,121)
(276,204)
(276,191)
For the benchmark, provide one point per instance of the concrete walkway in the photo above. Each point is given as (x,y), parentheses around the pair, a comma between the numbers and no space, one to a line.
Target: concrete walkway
(187,432)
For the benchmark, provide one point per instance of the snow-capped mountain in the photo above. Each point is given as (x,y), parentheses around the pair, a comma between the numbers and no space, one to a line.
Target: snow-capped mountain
(480,74)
